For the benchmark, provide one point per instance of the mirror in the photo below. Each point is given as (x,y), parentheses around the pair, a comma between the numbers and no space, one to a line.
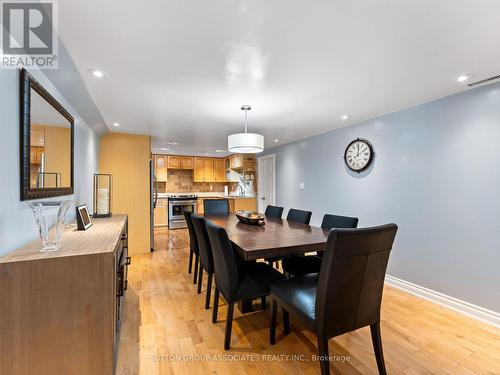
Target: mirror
(46,143)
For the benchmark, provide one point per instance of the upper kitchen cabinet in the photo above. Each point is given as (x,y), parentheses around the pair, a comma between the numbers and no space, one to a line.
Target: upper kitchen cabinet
(203,170)
(161,167)
(180,162)
(219,170)
(236,161)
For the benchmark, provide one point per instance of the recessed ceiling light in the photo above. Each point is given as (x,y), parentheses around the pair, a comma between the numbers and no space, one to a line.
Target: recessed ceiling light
(97,73)
(164,149)
(345,117)
(116,124)
(464,77)
(171,143)
(220,150)
(276,141)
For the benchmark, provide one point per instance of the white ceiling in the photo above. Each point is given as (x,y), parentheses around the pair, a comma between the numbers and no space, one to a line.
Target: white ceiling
(180,69)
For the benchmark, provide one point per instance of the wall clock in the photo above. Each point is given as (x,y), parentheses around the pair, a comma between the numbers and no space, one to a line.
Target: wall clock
(358,155)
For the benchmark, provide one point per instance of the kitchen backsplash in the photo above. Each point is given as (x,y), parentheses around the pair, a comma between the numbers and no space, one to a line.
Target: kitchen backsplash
(181,181)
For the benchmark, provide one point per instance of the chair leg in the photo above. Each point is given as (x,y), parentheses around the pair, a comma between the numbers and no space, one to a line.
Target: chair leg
(263,303)
(323,355)
(286,322)
(377,347)
(216,305)
(209,290)
(229,325)
(196,264)
(272,329)
(190,265)
(200,277)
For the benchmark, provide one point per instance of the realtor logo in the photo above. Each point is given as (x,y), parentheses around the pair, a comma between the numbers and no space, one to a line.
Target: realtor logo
(29,37)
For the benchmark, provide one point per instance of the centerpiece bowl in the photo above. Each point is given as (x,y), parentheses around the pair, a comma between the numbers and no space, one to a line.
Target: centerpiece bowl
(251,217)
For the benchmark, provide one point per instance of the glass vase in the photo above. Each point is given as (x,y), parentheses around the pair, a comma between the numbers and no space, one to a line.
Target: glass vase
(51,239)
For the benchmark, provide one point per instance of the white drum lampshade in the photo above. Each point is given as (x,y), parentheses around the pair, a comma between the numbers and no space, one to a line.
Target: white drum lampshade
(245,143)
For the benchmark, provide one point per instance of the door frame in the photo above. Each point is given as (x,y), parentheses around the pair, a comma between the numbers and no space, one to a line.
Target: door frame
(260,181)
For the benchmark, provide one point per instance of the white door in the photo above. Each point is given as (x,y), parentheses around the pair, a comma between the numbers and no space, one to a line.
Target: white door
(265,191)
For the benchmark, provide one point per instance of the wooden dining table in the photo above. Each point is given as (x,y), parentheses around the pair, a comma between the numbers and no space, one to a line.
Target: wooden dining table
(276,238)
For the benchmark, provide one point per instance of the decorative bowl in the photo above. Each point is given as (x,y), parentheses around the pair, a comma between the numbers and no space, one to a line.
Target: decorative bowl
(251,217)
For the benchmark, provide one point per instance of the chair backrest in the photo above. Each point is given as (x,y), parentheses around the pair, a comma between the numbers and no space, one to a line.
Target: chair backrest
(274,211)
(226,267)
(335,221)
(216,206)
(299,216)
(204,247)
(193,241)
(351,279)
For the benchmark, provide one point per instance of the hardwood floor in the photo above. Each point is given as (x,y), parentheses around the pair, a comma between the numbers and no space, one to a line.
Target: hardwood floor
(165,320)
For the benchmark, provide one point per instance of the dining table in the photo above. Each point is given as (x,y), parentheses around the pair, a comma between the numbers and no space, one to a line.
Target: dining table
(275,238)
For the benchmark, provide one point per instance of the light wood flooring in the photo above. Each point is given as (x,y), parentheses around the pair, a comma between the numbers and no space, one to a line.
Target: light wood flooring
(165,320)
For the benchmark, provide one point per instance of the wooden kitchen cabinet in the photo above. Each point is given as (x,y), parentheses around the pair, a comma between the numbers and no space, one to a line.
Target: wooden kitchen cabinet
(199,170)
(187,162)
(174,162)
(180,162)
(203,170)
(161,167)
(161,213)
(236,161)
(209,170)
(219,170)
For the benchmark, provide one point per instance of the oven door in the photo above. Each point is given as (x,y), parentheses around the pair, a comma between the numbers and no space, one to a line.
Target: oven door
(176,209)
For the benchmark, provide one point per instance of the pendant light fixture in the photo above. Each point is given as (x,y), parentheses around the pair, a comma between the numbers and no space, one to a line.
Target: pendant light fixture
(245,143)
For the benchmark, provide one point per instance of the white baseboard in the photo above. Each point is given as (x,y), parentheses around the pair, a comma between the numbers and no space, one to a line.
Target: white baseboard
(477,312)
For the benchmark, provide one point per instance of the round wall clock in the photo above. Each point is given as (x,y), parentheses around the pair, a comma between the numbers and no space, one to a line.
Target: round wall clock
(358,155)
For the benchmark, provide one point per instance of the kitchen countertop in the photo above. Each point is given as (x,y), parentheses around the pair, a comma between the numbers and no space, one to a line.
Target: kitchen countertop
(207,195)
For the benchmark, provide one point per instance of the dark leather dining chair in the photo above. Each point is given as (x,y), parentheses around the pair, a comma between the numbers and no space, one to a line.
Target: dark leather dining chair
(236,282)
(274,212)
(206,257)
(193,246)
(304,264)
(299,216)
(216,206)
(347,292)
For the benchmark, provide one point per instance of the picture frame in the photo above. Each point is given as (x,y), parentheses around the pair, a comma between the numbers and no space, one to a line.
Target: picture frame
(83,219)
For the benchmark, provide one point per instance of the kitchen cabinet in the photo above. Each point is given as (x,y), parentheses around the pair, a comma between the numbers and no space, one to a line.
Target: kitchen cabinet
(161,212)
(187,162)
(249,204)
(180,162)
(236,161)
(161,167)
(219,170)
(174,162)
(203,170)
(36,154)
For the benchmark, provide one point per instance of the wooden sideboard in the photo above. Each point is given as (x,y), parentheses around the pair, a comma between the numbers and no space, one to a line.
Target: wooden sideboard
(60,312)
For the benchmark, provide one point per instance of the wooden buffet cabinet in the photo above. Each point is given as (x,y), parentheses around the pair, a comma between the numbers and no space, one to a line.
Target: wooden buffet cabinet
(60,312)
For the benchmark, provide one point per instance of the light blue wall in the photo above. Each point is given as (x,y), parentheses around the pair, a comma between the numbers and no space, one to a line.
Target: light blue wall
(436,174)
(17,225)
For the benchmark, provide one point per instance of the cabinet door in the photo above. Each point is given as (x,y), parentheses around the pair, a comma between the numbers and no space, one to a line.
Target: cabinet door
(186,163)
(161,167)
(236,161)
(174,162)
(209,170)
(160,216)
(199,169)
(219,170)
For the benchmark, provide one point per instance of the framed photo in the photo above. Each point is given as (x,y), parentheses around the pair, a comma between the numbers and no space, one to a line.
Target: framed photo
(82,217)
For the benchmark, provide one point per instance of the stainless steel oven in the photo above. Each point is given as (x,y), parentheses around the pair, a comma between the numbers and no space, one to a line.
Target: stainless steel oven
(177,205)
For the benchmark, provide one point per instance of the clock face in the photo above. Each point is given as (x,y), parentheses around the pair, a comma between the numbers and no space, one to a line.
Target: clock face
(358,155)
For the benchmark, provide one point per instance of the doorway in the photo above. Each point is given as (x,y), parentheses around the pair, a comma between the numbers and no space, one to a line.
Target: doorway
(266,182)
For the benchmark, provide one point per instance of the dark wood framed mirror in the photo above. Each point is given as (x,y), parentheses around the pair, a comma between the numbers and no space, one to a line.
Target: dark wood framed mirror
(46,143)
